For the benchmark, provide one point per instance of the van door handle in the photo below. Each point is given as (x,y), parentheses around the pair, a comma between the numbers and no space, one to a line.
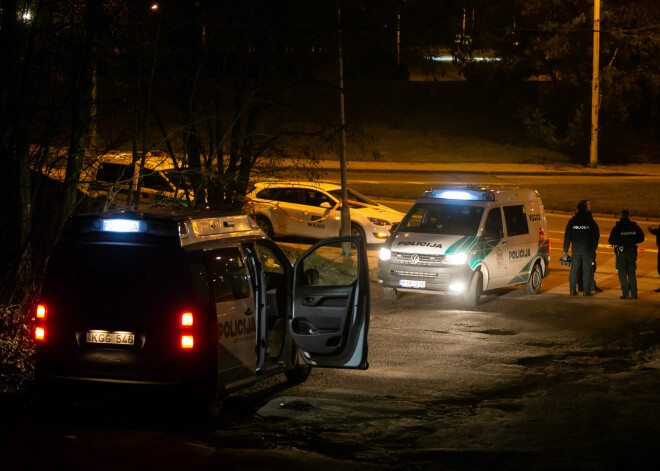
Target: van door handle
(249,312)
(504,242)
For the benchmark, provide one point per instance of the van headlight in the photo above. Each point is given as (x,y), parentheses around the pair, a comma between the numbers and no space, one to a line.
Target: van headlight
(456,258)
(385,254)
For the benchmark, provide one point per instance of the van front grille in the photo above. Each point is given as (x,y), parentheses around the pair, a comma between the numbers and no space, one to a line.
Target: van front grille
(422,260)
(438,277)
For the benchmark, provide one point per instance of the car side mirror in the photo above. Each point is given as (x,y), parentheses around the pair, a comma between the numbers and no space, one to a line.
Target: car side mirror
(394,227)
(325,205)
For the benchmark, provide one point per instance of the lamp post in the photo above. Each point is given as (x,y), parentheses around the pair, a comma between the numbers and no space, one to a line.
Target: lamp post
(595,88)
(345,211)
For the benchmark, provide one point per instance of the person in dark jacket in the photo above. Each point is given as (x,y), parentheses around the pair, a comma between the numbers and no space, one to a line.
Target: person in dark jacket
(624,237)
(582,233)
(594,286)
(656,233)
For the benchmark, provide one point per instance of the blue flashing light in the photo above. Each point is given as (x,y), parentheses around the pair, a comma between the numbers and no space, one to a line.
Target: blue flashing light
(461,194)
(120,225)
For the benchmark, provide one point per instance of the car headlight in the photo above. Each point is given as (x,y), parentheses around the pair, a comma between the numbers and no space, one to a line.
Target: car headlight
(385,254)
(456,258)
(379,222)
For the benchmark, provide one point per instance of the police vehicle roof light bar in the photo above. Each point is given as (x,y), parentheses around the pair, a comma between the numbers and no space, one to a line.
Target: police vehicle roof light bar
(460,194)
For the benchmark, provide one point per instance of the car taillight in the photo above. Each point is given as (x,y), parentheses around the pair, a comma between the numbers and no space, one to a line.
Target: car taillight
(187,342)
(40,333)
(186,319)
(41,311)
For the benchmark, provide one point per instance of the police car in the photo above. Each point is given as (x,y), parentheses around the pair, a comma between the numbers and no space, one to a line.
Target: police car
(113,177)
(309,209)
(196,303)
(462,240)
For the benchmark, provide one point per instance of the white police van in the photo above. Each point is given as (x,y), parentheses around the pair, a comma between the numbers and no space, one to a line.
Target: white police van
(462,240)
(196,303)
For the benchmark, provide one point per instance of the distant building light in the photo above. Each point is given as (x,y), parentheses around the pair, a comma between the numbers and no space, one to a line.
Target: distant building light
(154,7)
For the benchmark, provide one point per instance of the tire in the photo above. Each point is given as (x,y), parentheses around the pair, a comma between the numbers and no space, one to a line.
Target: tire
(300,371)
(265,225)
(391,294)
(533,286)
(472,297)
(357,230)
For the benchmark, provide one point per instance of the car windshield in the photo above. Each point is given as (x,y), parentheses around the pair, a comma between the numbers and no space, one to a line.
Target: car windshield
(438,218)
(353,196)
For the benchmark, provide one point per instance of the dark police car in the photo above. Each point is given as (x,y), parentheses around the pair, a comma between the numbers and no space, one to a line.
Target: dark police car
(197,303)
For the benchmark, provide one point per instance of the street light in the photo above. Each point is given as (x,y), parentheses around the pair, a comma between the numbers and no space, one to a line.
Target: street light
(595,88)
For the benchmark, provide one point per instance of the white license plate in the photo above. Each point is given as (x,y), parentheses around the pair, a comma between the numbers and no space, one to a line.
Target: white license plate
(412,284)
(112,338)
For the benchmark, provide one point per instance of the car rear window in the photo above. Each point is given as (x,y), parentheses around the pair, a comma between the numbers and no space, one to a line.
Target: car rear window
(88,277)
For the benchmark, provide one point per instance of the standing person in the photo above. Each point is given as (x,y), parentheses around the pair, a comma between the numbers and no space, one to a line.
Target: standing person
(656,233)
(624,237)
(594,286)
(583,233)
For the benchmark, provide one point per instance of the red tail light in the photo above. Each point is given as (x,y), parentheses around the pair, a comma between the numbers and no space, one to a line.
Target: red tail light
(41,311)
(40,333)
(187,319)
(187,342)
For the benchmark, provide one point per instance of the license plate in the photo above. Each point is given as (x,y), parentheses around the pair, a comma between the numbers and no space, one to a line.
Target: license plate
(112,338)
(412,284)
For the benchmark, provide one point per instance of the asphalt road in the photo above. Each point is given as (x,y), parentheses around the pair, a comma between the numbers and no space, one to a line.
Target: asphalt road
(523,382)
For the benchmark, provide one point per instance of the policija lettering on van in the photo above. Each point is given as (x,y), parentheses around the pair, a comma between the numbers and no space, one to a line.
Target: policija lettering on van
(534,217)
(518,254)
(237,328)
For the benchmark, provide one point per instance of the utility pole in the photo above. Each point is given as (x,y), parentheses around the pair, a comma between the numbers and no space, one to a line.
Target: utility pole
(345,211)
(595,88)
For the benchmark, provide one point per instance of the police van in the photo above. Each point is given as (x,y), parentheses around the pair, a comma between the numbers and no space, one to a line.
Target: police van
(463,240)
(196,303)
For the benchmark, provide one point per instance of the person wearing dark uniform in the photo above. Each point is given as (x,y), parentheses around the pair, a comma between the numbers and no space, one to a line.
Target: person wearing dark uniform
(656,233)
(594,286)
(624,237)
(582,233)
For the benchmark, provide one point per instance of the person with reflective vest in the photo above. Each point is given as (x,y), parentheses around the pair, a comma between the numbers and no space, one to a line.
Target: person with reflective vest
(582,233)
(624,237)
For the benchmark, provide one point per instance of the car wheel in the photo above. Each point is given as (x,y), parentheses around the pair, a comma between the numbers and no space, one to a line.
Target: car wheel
(357,230)
(473,295)
(265,225)
(533,286)
(300,370)
(391,294)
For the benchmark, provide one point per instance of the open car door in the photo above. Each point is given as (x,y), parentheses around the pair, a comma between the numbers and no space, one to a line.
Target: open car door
(330,316)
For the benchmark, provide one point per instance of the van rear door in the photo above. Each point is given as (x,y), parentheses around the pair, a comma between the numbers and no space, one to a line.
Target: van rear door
(330,316)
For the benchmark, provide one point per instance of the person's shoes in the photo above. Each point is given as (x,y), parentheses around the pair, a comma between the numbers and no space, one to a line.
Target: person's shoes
(573,293)
(657,290)
(597,289)
(624,297)
(588,294)
(633,297)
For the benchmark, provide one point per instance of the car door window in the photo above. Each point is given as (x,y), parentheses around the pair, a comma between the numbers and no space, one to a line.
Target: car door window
(111,173)
(317,198)
(228,275)
(331,265)
(516,220)
(292,195)
(493,227)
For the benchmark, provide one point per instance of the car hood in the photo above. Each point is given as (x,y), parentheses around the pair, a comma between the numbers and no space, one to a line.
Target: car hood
(381,212)
(434,244)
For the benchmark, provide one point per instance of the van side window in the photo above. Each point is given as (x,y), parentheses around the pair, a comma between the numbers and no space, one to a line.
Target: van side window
(493,226)
(516,220)
(228,275)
